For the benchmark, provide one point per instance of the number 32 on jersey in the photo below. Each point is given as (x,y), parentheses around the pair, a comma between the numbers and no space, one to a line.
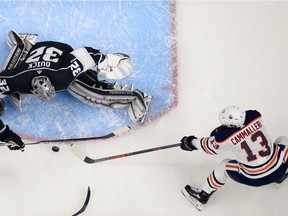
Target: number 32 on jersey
(3,86)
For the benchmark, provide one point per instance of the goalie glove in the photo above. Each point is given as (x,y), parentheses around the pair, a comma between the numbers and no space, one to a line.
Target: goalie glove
(14,142)
(186,143)
(115,66)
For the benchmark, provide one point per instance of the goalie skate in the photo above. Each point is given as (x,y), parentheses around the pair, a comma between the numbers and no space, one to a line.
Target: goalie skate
(191,198)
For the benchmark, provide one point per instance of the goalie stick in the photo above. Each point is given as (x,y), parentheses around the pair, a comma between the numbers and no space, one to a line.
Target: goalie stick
(85,203)
(89,160)
(109,135)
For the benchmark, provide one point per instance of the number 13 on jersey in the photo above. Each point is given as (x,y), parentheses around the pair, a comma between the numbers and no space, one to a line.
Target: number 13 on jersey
(256,138)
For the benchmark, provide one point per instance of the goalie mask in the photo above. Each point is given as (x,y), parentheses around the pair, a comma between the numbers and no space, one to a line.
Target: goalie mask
(43,88)
(232,117)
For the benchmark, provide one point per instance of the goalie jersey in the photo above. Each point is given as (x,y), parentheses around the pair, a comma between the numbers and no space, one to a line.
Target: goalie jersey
(56,60)
(254,150)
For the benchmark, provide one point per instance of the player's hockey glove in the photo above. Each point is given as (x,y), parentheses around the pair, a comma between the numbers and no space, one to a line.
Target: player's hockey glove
(14,142)
(186,143)
(115,66)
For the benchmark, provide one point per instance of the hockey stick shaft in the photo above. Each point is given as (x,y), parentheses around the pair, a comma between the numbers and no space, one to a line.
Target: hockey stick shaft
(89,160)
(85,203)
(109,135)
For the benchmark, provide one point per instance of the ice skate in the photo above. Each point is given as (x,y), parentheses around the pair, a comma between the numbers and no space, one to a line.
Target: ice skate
(281,180)
(196,196)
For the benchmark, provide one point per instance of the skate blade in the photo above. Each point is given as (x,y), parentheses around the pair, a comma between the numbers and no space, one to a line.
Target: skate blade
(194,202)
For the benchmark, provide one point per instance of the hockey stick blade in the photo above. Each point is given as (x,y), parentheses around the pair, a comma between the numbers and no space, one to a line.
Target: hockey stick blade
(117,132)
(85,203)
(89,160)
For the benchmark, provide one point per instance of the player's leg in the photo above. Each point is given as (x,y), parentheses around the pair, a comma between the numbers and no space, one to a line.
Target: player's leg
(17,49)
(282,141)
(14,57)
(200,196)
(90,90)
(139,107)
(20,44)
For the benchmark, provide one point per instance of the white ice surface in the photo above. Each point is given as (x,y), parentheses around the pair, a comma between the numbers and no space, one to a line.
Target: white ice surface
(228,53)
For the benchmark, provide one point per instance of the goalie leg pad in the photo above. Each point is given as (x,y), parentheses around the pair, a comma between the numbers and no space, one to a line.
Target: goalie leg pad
(141,117)
(114,98)
(13,39)
(27,39)
(16,52)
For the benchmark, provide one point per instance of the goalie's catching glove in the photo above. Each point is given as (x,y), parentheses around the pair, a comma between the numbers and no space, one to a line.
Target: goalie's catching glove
(14,142)
(115,66)
(186,143)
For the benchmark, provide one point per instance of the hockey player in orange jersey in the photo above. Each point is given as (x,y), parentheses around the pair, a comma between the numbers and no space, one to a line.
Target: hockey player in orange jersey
(258,160)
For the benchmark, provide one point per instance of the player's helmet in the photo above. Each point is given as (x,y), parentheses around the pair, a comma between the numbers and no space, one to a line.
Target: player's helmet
(43,88)
(232,117)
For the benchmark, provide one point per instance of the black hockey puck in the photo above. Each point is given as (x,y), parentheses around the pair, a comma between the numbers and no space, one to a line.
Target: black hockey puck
(55,148)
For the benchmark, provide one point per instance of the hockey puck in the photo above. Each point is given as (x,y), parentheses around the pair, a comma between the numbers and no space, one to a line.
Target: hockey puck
(55,148)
